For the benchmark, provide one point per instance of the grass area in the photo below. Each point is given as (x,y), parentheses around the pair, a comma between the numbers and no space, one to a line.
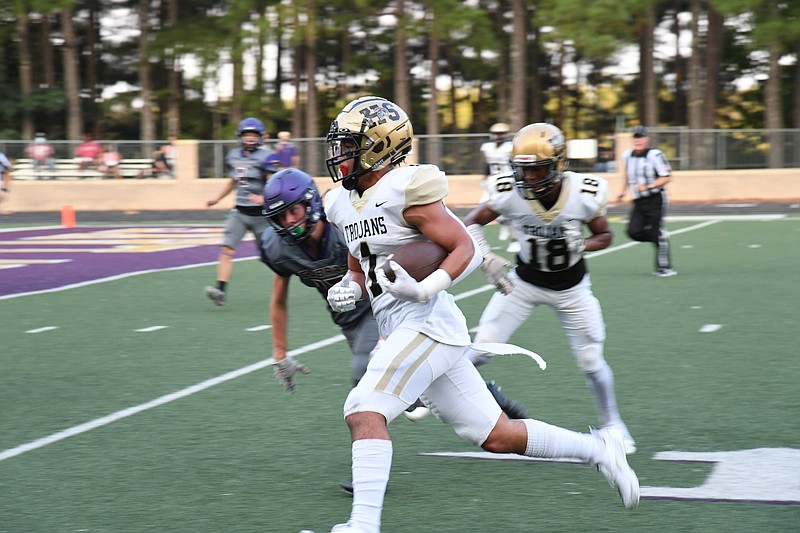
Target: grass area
(245,456)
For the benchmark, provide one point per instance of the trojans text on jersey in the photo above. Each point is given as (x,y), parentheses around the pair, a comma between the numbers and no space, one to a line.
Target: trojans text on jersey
(365,228)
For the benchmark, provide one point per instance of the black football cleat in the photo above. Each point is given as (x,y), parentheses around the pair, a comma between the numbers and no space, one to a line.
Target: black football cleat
(511,408)
(347,486)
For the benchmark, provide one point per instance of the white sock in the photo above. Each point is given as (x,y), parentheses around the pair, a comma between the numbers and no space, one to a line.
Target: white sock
(601,383)
(372,462)
(553,442)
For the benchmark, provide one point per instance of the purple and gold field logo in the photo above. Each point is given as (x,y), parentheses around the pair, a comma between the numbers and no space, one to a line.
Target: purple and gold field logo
(34,260)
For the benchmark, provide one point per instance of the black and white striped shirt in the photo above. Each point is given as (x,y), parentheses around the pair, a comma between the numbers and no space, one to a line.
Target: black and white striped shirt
(644,169)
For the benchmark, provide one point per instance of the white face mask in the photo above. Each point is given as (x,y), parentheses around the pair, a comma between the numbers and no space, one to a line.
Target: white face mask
(40,139)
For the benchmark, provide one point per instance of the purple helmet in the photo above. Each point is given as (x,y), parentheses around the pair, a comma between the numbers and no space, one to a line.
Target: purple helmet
(250,125)
(283,190)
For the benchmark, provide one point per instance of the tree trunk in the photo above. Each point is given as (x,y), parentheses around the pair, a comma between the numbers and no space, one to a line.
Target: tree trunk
(48,63)
(519,48)
(773,107)
(502,85)
(715,42)
(312,105)
(402,89)
(146,121)
(297,77)
(796,114)
(678,117)
(71,83)
(536,96)
(92,38)
(649,101)
(237,99)
(25,74)
(173,77)
(432,147)
(694,100)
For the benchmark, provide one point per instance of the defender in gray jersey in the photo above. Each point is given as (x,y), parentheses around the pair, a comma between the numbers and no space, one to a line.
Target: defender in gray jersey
(249,170)
(548,208)
(647,172)
(300,242)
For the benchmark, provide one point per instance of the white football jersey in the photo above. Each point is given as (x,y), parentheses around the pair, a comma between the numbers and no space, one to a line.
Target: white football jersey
(498,156)
(543,253)
(373,227)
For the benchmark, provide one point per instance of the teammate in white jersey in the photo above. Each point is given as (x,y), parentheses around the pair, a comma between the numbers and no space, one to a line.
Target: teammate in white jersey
(548,208)
(380,207)
(497,153)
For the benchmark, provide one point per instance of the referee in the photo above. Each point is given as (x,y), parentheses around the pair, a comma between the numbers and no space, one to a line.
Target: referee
(647,171)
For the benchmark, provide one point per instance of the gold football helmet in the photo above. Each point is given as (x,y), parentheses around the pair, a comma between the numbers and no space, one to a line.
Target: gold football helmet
(499,131)
(371,130)
(538,145)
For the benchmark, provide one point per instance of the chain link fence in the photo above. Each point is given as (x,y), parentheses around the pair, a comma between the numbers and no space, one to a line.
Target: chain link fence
(458,154)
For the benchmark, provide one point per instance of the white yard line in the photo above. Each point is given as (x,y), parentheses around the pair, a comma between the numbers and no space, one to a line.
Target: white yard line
(130,411)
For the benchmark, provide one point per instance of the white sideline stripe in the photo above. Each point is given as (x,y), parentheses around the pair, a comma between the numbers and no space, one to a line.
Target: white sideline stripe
(130,411)
(114,278)
(43,329)
(498,457)
(99,422)
(151,328)
(259,328)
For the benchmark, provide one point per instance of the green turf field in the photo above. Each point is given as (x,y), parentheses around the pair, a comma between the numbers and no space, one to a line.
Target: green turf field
(237,454)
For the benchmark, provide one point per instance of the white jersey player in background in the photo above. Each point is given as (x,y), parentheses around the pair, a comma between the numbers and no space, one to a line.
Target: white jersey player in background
(548,208)
(380,207)
(497,154)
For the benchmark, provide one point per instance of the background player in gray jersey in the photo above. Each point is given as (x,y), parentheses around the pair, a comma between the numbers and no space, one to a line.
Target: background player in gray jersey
(300,242)
(248,170)
(548,209)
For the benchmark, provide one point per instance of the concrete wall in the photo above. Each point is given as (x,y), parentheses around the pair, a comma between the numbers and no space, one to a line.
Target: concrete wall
(186,192)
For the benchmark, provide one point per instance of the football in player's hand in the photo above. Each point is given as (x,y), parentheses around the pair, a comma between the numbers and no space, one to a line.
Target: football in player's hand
(419,259)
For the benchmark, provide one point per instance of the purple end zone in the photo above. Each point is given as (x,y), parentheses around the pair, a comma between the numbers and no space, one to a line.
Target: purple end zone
(33,260)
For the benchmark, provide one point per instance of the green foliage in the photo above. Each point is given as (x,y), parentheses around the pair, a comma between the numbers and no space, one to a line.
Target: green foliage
(354,47)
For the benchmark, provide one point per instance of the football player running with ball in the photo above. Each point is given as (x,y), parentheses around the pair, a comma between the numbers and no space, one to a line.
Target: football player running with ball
(381,206)
(548,208)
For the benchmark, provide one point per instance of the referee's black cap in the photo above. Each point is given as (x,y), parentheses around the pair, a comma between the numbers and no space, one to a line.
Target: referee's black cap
(640,131)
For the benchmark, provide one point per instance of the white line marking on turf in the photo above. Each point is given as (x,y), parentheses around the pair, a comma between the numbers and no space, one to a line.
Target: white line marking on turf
(130,411)
(108,419)
(710,328)
(259,328)
(40,330)
(151,328)
(498,457)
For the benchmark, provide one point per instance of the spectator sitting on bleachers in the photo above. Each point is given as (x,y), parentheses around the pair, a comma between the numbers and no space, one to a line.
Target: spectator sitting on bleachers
(42,154)
(109,163)
(160,166)
(88,152)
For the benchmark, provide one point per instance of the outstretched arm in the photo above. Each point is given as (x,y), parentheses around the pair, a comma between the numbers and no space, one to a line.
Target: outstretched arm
(279,316)
(225,191)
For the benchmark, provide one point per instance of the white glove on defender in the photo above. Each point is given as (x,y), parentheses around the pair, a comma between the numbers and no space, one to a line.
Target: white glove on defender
(286,369)
(494,267)
(576,243)
(343,296)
